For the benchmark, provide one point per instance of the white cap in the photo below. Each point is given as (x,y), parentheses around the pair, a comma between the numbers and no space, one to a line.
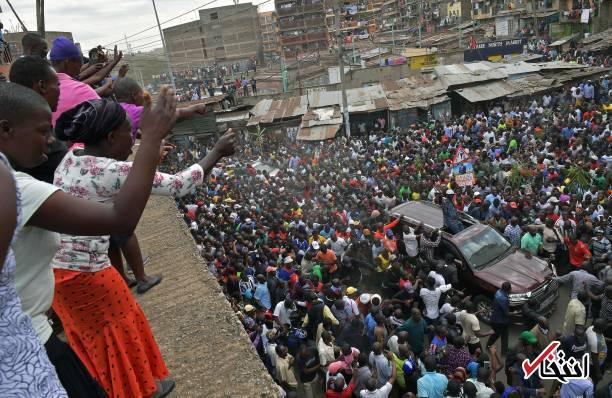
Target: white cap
(364,298)
(315,245)
(248,221)
(288,260)
(450,192)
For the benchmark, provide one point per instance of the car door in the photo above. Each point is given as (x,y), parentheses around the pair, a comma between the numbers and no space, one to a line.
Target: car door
(466,277)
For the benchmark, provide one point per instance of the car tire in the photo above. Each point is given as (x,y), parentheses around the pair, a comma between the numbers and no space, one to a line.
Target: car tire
(484,306)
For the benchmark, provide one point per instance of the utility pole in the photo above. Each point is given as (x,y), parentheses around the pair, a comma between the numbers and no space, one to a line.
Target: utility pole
(140,77)
(535,20)
(165,47)
(420,20)
(17,16)
(345,110)
(40,17)
(128,48)
(284,74)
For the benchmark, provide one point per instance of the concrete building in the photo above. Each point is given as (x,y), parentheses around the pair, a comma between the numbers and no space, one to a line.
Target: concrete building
(269,35)
(302,26)
(14,41)
(222,36)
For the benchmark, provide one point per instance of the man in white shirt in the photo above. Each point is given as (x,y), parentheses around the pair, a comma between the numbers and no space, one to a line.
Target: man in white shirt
(431,298)
(337,244)
(283,311)
(325,348)
(410,242)
(471,327)
(437,277)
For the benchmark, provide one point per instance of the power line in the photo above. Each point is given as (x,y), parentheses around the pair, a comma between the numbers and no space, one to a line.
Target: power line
(181,15)
(166,21)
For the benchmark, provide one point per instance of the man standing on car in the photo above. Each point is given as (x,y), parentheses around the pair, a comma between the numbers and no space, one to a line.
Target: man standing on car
(449,212)
(500,317)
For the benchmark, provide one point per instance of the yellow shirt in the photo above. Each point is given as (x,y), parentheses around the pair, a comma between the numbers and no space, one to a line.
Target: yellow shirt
(384,263)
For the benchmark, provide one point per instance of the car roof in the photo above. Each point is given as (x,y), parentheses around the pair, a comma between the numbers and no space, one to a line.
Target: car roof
(417,211)
(430,215)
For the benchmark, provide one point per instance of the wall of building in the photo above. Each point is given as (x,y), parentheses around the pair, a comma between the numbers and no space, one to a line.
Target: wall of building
(14,40)
(221,35)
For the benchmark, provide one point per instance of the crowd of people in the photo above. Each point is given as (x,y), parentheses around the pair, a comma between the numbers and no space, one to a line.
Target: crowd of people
(339,298)
(286,242)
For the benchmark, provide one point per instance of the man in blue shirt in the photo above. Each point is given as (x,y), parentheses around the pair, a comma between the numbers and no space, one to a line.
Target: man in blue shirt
(431,384)
(500,317)
(262,294)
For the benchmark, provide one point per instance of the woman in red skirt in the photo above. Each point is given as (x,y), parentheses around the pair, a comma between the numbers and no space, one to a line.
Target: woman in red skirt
(104,325)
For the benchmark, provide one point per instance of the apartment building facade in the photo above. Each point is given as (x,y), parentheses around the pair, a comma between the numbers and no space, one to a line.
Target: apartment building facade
(269,35)
(301,26)
(222,36)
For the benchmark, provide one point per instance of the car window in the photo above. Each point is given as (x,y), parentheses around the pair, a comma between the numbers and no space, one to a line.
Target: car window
(481,249)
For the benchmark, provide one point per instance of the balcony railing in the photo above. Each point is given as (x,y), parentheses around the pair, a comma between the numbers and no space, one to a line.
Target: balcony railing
(287,11)
(317,36)
(313,7)
(293,40)
(310,22)
(284,25)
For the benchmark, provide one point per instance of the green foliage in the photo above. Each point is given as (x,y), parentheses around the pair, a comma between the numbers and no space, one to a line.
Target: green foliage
(259,136)
(580,180)
(516,177)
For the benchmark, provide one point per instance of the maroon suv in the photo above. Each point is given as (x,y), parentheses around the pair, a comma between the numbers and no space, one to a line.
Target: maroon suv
(485,259)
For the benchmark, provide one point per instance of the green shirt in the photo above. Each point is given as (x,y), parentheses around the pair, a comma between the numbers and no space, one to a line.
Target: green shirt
(531,243)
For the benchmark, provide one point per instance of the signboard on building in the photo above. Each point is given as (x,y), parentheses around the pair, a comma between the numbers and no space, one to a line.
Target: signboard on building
(423,61)
(584,15)
(334,74)
(501,27)
(495,49)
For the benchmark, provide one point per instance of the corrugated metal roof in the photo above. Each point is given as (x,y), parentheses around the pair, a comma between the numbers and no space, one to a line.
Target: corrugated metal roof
(419,91)
(366,99)
(318,133)
(485,92)
(532,85)
(267,111)
(322,116)
(459,74)
(225,117)
(563,40)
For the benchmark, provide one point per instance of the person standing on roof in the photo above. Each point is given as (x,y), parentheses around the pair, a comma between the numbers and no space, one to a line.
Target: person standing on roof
(449,212)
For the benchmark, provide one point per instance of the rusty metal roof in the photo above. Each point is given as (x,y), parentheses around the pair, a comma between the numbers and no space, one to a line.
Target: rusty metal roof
(318,133)
(485,92)
(320,124)
(419,91)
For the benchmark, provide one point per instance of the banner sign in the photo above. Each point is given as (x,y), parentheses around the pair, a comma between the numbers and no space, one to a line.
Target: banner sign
(483,51)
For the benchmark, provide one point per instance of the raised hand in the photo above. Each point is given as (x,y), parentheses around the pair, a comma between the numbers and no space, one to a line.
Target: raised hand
(123,70)
(225,144)
(157,122)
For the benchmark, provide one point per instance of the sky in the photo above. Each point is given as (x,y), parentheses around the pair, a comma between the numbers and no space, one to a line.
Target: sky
(106,22)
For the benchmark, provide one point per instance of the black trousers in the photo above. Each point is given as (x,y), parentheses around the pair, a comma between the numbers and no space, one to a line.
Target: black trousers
(499,330)
(71,372)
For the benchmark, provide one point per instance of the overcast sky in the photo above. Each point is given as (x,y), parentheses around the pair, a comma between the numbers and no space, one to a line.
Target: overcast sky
(105,21)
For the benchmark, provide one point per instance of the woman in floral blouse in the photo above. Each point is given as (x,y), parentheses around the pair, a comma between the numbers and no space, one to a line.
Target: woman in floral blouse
(102,321)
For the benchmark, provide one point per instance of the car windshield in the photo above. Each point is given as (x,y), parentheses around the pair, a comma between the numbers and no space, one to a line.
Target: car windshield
(481,249)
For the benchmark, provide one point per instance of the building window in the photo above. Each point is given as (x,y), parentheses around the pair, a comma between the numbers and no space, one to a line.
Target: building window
(214,16)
